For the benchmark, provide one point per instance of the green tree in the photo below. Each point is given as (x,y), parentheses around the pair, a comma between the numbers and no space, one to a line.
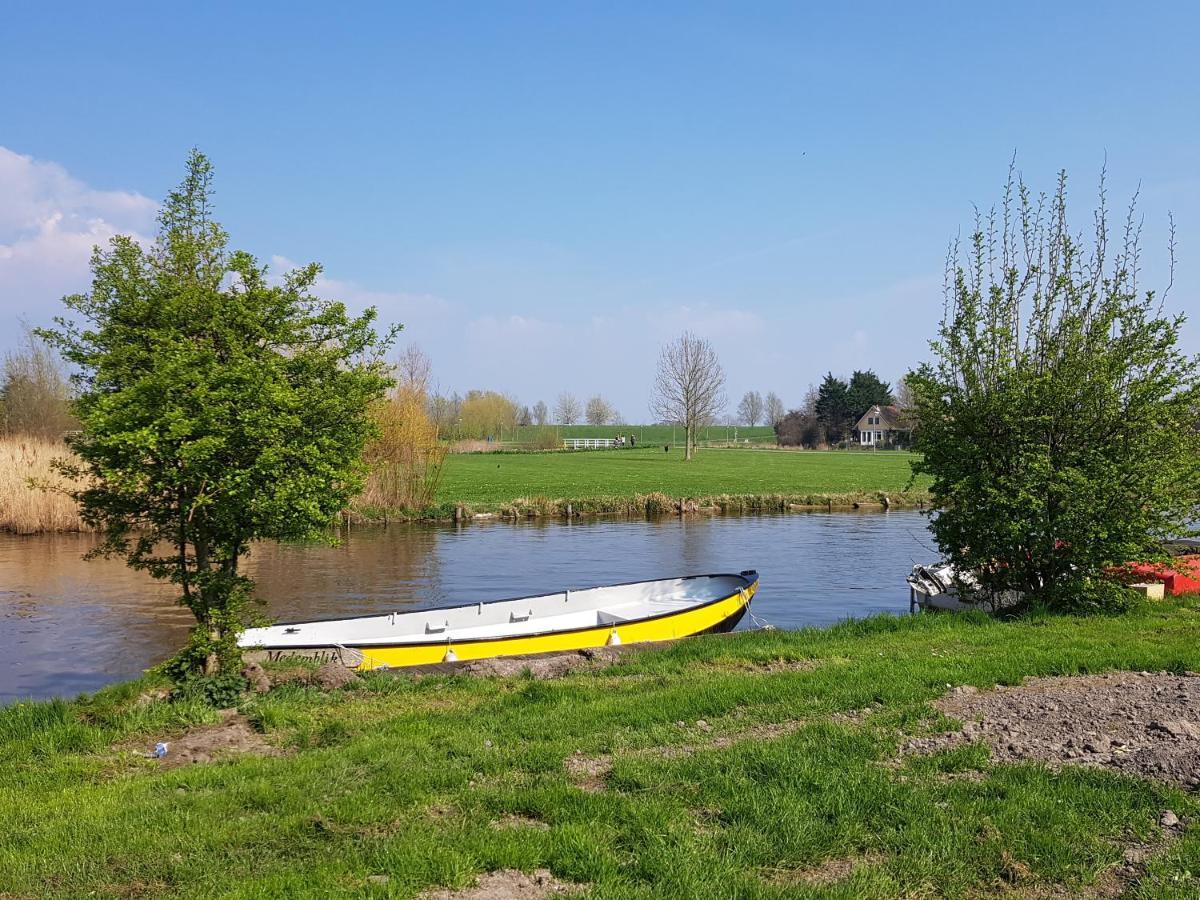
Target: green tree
(866,389)
(218,408)
(1053,414)
(832,408)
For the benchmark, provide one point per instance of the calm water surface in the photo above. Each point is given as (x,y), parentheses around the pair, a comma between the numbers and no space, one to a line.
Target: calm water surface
(68,626)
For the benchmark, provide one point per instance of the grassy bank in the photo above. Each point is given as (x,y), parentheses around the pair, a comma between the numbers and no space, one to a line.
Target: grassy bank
(500,478)
(652,434)
(757,765)
(649,481)
(640,482)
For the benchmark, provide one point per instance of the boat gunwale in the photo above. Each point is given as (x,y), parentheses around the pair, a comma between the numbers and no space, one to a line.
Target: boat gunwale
(750,582)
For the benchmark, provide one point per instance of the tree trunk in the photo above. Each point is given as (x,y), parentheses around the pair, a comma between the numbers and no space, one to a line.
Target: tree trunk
(212,663)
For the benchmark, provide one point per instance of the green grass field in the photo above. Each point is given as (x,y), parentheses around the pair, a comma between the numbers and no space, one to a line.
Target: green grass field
(657,434)
(398,785)
(498,478)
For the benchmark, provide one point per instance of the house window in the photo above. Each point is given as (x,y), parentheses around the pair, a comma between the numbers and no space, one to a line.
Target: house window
(878,435)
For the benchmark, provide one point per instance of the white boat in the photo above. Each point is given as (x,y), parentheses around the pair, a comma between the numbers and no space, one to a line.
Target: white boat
(546,623)
(942,586)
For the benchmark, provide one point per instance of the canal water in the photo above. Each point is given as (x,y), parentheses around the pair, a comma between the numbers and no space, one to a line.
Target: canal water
(69,625)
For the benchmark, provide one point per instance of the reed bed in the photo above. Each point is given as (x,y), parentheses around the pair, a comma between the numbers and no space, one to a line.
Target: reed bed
(32,497)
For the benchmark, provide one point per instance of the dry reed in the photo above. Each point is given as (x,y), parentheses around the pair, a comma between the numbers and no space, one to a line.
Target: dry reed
(405,460)
(32,497)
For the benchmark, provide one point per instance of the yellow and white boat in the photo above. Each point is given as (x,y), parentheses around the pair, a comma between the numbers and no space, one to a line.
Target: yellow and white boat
(548,623)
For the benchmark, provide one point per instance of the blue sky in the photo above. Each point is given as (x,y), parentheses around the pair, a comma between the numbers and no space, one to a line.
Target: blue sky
(545,192)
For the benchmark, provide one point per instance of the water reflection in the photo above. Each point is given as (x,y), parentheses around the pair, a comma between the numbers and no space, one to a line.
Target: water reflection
(67,625)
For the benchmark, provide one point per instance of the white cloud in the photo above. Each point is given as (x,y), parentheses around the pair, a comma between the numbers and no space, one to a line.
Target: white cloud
(49,223)
(507,334)
(417,312)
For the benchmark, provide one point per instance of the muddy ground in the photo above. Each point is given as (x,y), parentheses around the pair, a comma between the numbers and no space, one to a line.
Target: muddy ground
(1139,723)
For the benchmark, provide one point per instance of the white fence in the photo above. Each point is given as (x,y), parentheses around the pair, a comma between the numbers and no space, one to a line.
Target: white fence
(589,443)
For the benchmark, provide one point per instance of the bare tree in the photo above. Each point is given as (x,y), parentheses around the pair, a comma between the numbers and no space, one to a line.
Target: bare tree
(906,403)
(811,396)
(567,409)
(35,392)
(774,410)
(540,413)
(599,411)
(413,368)
(750,410)
(690,387)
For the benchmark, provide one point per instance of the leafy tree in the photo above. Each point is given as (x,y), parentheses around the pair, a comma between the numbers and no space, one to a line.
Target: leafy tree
(1052,416)
(750,409)
(773,409)
(218,408)
(865,390)
(487,413)
(832,408)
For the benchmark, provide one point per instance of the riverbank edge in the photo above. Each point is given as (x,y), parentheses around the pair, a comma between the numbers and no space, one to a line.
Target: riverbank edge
(827,694)
(641,506)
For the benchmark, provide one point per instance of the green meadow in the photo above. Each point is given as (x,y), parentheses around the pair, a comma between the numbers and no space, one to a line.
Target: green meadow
(732,767)
(483,479)
(653,434)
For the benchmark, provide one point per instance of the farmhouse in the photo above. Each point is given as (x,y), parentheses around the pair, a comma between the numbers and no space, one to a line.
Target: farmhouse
(883,426)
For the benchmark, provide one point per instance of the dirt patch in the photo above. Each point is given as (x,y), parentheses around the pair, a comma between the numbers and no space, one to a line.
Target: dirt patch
(541,667)
(333,676)
(515,821)
(1142,724)
(509,884)
(831,871)
(257,681)
(588,772)
(441,811)
(232,735)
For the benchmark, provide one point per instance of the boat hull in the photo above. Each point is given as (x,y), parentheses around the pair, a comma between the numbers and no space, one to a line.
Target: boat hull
(719,615)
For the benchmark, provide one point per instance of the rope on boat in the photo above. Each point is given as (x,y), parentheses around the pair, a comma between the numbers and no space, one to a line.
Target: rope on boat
(345,652)
(759,623)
